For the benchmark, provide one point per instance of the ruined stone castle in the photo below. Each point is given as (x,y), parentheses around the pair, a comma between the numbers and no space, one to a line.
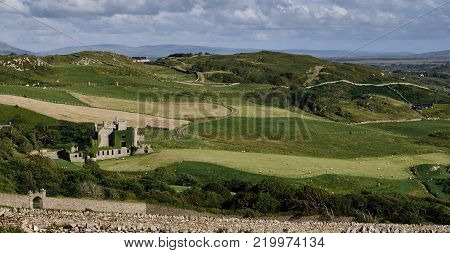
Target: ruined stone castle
(111,140)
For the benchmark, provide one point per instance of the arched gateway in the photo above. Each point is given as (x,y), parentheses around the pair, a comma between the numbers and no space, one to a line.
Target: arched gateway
(37,199)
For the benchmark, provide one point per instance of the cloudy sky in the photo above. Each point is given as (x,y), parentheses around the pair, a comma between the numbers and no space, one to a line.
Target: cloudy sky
(269,24)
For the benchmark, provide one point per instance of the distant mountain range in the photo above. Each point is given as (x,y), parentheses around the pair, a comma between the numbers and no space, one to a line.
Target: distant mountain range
(157,51)
(6,49)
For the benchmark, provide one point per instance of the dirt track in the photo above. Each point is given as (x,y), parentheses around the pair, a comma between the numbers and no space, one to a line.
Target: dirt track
(171,110)
(88,114)
(367,84)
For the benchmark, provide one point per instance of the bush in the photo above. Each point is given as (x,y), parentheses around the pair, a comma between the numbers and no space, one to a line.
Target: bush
(187,180)
(165,175)
(265,203)
(163,197)
(217,188)
(193,196)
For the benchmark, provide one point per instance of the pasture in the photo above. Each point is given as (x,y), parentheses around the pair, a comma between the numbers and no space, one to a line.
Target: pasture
(390,167)
(206,173)
(306,137)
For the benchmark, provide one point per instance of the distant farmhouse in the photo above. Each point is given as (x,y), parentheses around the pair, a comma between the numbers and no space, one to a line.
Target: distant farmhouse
(112,140)
(420,107)
(141,59)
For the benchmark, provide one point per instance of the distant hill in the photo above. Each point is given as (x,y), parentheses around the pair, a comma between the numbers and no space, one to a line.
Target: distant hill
(366,56)
(157,51)
(434,55)
(6,49)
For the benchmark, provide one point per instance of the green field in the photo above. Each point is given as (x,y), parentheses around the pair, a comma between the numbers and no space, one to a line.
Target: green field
(306,137)
(391,167)
(206,173)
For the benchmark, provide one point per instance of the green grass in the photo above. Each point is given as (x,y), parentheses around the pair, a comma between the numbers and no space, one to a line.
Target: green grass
(415,128)
(179,188)
(28,117)
(66,165)
(206,173)
(353,184)
(102,69)
(435,178)
(392,167)
(305,137)
(438,111)
(429,132)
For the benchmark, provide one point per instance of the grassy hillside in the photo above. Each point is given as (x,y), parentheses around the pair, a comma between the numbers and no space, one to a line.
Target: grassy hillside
(435,178)
(96,68)
(346,102)
(9,113)
(278,69)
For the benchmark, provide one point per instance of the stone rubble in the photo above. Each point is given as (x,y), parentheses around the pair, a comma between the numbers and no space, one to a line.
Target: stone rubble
(45,221)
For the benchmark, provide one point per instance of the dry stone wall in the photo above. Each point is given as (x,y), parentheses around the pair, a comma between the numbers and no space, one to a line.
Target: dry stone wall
(44,221)
(19,201)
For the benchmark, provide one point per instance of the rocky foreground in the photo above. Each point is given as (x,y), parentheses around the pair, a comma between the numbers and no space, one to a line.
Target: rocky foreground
(43,221)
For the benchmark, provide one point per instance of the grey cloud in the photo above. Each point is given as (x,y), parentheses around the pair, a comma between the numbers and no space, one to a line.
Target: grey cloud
(235,21)
(82,8)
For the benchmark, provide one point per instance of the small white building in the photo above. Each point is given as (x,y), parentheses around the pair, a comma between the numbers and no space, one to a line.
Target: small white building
(141,59)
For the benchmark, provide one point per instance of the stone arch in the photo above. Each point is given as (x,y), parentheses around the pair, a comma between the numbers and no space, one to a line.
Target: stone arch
(38,203)
(37,199)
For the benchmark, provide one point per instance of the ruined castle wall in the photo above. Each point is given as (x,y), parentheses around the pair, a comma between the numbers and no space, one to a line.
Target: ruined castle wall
(112,153)
(72,204)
